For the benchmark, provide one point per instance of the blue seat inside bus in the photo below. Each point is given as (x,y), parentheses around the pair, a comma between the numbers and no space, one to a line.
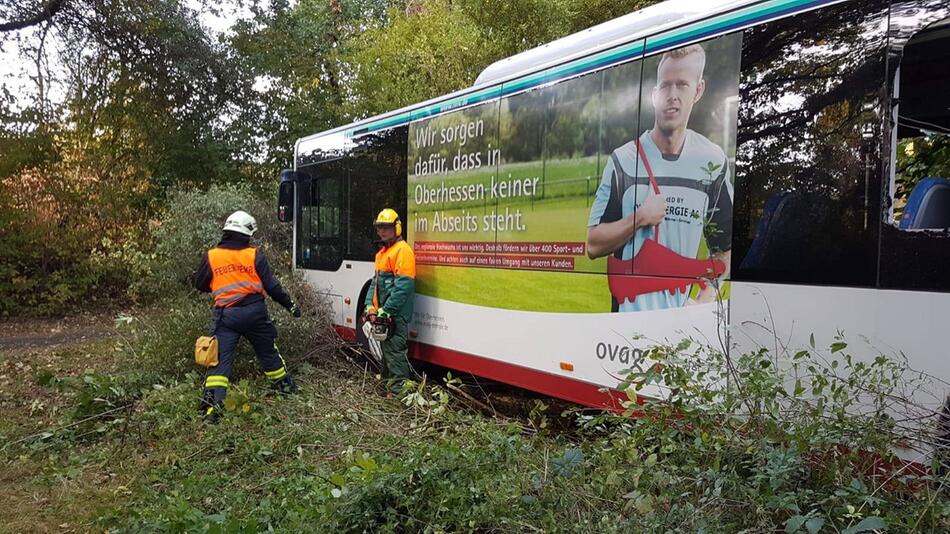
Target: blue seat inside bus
(753,257)
(928,205)
(778,231)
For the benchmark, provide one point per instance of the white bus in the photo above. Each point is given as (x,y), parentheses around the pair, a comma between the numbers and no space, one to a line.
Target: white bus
(725,169)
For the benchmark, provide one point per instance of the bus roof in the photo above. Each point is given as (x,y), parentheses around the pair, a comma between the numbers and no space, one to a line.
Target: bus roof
(632,26)
(654,28)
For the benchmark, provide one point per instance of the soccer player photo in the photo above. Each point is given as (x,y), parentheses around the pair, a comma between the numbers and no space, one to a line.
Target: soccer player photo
(662,213)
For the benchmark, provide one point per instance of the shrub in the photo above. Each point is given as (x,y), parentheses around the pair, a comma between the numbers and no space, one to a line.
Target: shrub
(189,225)
(757,442)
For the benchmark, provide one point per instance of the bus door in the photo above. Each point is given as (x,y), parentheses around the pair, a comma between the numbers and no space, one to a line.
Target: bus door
(320,239)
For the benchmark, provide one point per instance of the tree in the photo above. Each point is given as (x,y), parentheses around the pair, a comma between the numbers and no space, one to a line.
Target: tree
(432,50)
(129,101)
(18,15)
(294,57)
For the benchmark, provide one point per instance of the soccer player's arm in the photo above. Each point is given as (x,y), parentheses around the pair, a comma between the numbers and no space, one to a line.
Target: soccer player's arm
(607,229)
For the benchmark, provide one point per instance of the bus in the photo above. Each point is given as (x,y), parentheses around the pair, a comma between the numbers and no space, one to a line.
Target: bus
(753,173)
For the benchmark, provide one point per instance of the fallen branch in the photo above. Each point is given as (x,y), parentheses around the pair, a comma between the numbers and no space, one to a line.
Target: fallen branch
(54,431)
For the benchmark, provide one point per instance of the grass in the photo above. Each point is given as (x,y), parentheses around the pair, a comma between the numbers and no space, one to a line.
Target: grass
(47,490)
(583,290)
(271,462)
(540,291)
(342,457)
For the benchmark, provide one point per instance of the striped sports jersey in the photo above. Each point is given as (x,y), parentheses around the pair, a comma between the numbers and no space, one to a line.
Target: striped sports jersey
(696,188)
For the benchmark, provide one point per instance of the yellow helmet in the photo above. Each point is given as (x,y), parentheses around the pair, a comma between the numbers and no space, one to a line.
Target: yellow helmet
(389,217)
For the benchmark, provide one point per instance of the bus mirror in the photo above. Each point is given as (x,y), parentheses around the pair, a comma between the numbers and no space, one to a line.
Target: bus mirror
(285,196)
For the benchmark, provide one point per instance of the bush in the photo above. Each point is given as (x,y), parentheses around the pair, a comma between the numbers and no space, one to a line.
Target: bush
(58,259)
(190,224)
(451,487)
(162,343)
(756,443)
(50,266)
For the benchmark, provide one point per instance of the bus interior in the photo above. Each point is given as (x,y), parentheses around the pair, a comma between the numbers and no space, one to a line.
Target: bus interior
(921,181)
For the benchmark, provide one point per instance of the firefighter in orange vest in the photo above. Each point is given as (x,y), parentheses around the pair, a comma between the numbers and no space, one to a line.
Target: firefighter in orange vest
(238,276)
(391,294)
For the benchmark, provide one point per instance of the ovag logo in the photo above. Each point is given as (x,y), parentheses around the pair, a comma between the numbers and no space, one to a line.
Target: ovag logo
(627,355)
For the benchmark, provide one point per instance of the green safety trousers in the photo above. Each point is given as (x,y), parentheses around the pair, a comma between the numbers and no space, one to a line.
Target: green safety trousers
(396,354)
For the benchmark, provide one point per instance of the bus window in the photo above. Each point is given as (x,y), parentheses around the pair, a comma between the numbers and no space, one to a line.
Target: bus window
(377,180)
(619,125)
(808,169)
(451,169)
(319,230)
(915,237)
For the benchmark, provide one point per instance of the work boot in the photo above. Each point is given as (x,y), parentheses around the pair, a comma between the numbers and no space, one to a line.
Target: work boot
(207,401)
(284,386)
(213,415)
(209,408)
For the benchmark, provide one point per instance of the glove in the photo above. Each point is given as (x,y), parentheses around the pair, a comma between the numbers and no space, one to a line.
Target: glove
(295,310)
(369,314)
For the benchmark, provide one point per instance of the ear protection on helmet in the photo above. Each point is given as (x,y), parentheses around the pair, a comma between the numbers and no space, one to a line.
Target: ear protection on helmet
(389,216)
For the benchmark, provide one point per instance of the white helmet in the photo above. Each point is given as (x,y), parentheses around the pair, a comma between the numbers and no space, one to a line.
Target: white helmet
(241,222)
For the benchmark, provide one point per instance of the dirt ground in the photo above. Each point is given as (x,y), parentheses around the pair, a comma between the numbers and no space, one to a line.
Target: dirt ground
(32,333)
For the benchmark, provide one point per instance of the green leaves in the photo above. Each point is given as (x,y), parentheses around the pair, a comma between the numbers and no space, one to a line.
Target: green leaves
(732,457)
(866,525)
(810,524)
(566,465)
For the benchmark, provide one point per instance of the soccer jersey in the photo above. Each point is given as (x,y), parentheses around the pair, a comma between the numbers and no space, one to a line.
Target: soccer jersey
(695,186)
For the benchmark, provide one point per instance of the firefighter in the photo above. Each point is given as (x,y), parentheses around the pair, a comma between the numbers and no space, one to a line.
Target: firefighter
(238,276)
(391,293)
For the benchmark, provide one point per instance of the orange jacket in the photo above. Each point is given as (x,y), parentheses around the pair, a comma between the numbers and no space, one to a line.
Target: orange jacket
(394,286)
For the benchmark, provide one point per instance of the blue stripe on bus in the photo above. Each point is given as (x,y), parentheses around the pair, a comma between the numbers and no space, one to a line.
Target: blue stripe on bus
(625,52)
(742,17)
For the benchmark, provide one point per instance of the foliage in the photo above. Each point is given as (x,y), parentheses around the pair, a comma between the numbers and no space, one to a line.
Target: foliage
(294,56)
(434,47)
(190,224)
(134,107)
(759,441)
(593,12)
(758,444)
(405,62)
(161,344)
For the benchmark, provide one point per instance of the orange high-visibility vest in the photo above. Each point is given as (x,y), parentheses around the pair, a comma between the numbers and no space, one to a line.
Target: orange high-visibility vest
(233,276)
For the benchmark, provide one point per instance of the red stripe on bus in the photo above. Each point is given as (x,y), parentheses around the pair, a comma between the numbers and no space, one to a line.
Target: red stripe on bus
(549,384)
(348,334)
(546,383)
